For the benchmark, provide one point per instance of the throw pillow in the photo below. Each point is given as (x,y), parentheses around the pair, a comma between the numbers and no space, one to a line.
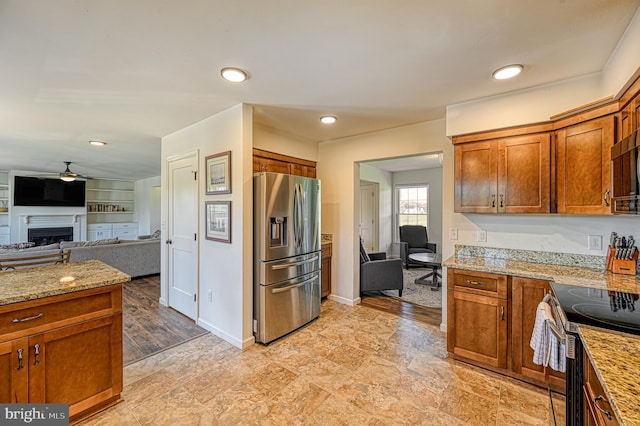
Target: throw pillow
(17,245)
(156,234)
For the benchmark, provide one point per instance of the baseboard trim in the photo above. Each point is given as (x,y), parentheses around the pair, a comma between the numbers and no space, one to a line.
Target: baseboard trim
(240,344)
(344,300)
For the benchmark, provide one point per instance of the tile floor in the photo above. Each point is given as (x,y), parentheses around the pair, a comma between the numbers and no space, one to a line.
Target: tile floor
(352,366)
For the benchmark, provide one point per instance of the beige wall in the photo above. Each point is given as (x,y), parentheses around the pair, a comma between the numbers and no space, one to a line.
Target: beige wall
(340,175)
(282,143)
(225,269)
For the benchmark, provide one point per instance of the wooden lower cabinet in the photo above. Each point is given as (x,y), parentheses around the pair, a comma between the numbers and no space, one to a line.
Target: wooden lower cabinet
(72,358)
(490,320)
(526,293)
(596,408)
(325,275)
(477,328)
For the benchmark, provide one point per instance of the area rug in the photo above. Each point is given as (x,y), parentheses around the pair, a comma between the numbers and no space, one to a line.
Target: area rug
(418,293)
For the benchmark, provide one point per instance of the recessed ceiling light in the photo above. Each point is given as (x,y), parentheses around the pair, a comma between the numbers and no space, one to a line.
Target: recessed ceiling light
(328,119)
(97,143)
(234,75)
(507,72)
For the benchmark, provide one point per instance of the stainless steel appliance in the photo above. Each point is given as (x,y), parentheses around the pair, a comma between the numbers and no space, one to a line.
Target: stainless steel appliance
(286,253)
(625,175)
(602,308)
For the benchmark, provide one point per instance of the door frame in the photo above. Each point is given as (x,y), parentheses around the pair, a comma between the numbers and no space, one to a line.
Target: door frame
(375,227)
(164,220)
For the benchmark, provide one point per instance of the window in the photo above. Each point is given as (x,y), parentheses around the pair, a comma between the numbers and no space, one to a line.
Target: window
(412,205)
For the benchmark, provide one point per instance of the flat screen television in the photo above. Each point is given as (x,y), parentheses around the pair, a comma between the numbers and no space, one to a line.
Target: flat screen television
(34,191)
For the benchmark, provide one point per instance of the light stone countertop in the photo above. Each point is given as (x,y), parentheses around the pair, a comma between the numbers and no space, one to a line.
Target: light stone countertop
(615,356)
(620,379)
(35,283)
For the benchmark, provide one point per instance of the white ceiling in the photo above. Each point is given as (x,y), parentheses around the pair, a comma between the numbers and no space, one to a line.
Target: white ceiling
(131,71)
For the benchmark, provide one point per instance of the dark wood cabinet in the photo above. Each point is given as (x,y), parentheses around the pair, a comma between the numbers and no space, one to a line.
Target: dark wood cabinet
(325,282)
(265,161)
(507,175)
(477,317)
(64,349)
(583,167)
(526,294)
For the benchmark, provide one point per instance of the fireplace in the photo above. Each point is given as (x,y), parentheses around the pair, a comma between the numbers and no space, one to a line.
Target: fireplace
(44,236)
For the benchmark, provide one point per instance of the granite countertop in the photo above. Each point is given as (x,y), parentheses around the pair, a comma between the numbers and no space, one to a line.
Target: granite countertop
(620,378)
(326,238)
(615,356)
(35,283)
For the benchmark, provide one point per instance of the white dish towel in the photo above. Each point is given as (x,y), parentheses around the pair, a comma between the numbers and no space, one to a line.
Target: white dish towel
(548,350)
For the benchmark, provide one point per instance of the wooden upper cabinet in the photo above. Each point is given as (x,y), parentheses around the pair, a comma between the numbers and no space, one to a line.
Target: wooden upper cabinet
(265,161)
(476,178)
(509,175)
(583,167)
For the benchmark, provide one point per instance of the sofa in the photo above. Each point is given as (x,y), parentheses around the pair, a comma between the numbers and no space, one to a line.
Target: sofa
(133,257)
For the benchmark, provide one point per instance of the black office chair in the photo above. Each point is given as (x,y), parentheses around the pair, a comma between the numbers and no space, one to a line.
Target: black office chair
(414,239)
(379,273)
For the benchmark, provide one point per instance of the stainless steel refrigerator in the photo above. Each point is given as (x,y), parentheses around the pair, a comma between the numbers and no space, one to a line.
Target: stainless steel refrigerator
(286,253)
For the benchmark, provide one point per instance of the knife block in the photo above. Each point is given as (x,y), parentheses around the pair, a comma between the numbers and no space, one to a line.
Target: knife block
(621,266)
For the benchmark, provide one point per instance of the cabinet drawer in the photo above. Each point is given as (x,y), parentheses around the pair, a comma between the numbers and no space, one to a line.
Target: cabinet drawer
(326,250)
(125,234)
(596,400)
(99,227)
(126,225)
(17,320)
(478,283)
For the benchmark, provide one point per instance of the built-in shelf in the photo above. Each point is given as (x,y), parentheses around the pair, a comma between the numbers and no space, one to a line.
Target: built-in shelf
(110,197)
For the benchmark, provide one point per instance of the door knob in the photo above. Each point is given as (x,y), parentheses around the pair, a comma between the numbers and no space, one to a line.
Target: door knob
(169,242)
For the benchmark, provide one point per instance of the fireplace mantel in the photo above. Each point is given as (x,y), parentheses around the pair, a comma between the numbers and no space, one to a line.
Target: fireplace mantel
(30,221)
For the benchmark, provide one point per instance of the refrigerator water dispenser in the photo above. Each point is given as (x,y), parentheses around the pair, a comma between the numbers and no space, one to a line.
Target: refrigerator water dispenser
(278,226)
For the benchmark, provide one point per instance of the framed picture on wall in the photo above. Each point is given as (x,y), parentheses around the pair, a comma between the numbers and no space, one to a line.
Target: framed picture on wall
(218,173)
(218,221)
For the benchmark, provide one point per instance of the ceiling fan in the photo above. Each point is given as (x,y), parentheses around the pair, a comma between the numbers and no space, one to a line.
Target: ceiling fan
(68,175)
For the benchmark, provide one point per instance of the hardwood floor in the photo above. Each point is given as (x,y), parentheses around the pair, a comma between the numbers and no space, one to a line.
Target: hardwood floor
(404,309)
(148,327)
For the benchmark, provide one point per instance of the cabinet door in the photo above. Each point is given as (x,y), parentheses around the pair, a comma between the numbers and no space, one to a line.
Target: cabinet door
(14,368)
(276,166)
(476,177)
(583,167)
(80,365)
(477,328)
(325,275)
(524,170)
(525,295)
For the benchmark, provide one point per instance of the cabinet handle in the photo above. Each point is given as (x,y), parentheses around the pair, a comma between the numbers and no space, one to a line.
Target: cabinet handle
(605,412)
(606,197)
(35,317)
(501,201)
(502,313)
(474,282)
(20,358)
(493,200)
(36,353)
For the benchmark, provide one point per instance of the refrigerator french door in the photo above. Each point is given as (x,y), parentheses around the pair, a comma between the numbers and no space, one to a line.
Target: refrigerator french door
(286,253)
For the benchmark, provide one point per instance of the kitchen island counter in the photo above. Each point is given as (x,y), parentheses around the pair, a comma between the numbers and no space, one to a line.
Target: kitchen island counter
(35,283)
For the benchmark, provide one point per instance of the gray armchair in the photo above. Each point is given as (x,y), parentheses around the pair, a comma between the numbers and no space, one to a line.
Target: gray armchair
(379,273)
(414,239)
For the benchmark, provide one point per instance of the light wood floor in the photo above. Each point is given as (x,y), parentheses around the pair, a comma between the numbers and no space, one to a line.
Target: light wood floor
(148,327)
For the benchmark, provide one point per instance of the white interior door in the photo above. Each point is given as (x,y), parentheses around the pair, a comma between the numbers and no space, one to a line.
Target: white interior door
(368,216)
(182,236)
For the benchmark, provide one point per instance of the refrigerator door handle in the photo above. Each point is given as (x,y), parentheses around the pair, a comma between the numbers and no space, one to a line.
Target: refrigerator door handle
(291,287)
(289,265)
(297,214)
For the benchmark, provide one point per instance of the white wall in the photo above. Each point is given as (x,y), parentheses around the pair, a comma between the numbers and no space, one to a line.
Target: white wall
(339,170)
(279,142)
(146,210)
(385,203)
(225,269)
(433,177)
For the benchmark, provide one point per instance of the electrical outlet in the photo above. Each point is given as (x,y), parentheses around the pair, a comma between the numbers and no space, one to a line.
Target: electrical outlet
(210,295)
(482,236)
(595,242)
(453,233)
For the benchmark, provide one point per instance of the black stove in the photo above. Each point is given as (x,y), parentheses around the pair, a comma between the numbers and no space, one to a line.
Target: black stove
(613,310)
